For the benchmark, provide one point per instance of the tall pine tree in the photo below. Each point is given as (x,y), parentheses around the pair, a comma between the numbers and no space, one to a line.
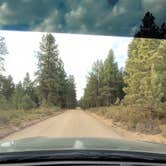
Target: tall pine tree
(71,101)
(113,80)
(145,73)
(51,75)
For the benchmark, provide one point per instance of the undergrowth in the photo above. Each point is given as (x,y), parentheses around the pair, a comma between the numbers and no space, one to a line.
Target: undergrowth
(132,118)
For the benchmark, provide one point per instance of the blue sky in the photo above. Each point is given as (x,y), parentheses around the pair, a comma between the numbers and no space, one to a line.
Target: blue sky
(78,53)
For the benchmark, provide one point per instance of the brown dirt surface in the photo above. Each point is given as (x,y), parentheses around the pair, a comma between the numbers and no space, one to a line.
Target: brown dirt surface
(71,123)
(78,123)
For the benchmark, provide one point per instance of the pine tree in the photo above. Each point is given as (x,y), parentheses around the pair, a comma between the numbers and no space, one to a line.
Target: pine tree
(93,88)
(148,29)
(7,87)
(161,67)
(71,101)
(50,73)
(17,96)
(104,84)
(30,90)
(120,85)
(62,81)
(113,81)
(143,74)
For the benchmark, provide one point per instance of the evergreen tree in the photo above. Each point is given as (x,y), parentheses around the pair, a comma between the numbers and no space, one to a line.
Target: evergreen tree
(62,81)
(71,101)
(145,73)
(30,90)
(17,96)
(160,66)
(120,85)
(93,87)
(148,29)
(113,80)
(50,73)
(7,86)
(104,84)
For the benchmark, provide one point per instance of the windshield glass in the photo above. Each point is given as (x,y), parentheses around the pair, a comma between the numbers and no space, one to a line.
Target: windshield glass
(83,75)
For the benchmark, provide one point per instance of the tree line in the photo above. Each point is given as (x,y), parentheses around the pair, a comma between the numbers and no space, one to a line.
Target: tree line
(104,84)
(143,81)
(52,87)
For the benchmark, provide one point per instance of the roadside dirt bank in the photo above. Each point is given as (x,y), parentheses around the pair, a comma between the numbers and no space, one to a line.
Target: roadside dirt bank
(130,135)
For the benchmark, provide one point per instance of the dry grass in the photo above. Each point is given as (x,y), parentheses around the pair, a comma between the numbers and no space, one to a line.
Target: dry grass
(131,118)
(16,117)
(163,129)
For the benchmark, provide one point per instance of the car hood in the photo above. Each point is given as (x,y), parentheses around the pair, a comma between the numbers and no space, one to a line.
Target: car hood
(44,143)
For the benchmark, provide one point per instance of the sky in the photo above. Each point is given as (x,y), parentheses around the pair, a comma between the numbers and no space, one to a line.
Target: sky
(104,17)
(78,53)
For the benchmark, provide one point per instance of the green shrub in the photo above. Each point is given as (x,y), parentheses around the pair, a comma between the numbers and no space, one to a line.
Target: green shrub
(4,104)
(27,103)
(4,119)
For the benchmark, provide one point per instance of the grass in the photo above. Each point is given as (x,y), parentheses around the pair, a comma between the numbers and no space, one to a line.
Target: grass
(131,118)
(164,131)
(17,117)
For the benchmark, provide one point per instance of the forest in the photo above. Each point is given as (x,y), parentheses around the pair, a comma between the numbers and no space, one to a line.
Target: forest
(52,87)
(136,94)
(142,81)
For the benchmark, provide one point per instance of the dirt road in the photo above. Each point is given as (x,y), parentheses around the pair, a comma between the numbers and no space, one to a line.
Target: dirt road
(72,123)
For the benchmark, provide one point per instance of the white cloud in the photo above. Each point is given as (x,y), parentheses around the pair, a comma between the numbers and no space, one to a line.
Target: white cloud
(4,12)
(79,16)
(49,23)
(78,53)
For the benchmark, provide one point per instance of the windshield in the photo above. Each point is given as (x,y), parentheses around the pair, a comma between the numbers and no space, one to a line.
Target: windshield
(83,75)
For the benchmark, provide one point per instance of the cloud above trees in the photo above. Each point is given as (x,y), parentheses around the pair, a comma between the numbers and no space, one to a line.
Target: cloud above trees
(105,17)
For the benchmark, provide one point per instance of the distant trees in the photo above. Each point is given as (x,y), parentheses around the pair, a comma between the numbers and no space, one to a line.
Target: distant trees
(31,89)
(104,83)
(24,95)
(7,86)
(6,91)
(50,88)
(71,101)
(18,96)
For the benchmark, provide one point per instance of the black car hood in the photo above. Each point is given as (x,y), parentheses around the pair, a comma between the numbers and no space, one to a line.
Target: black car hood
(44,143)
